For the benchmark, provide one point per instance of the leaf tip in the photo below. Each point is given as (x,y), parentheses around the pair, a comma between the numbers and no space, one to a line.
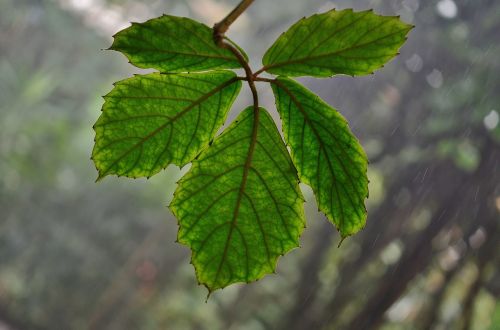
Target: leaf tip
(342,239)
(115,40)
(100,176)
(210,290)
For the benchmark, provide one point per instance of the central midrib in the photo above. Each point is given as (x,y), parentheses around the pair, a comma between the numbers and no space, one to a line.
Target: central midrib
(246,170)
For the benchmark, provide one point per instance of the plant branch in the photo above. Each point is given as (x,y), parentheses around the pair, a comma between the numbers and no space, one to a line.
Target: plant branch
(221,27)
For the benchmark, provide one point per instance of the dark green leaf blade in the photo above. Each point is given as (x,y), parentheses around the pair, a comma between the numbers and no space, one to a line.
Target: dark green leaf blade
(150,121)
(173,44)
(327,155)
(240,207)
(336,42)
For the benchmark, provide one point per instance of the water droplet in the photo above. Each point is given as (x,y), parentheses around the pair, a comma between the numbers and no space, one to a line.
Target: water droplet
(414,63)
(491,120)
(391,253)
(435,78)
(411,5)
(477,239)
(447,8)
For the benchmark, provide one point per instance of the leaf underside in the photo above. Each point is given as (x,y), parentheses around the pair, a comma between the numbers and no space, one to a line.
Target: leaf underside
(173,44)
(240,207)
(150,121)
(336,42)
(328,157)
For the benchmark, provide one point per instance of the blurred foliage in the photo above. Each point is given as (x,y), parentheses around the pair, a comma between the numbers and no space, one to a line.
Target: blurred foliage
(79,255)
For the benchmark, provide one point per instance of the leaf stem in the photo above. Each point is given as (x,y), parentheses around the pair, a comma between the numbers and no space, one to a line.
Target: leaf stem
(264,68)
(255,78)
(219,38)
(220,29)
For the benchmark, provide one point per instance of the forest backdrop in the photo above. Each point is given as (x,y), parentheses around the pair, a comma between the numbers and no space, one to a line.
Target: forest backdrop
(77,255)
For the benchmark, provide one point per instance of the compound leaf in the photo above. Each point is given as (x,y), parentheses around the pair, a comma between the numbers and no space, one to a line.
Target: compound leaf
(150,121)
(240,207)
(327,155)
(336,42)
(173,44)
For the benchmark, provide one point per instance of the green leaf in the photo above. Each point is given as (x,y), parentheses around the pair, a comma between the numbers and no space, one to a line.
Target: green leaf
(327,155)
(173,44)
(240,207)
(336,42)
(150,121)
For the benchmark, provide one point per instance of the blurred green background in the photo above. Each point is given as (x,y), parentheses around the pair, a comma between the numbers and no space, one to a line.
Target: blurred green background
(79,255)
